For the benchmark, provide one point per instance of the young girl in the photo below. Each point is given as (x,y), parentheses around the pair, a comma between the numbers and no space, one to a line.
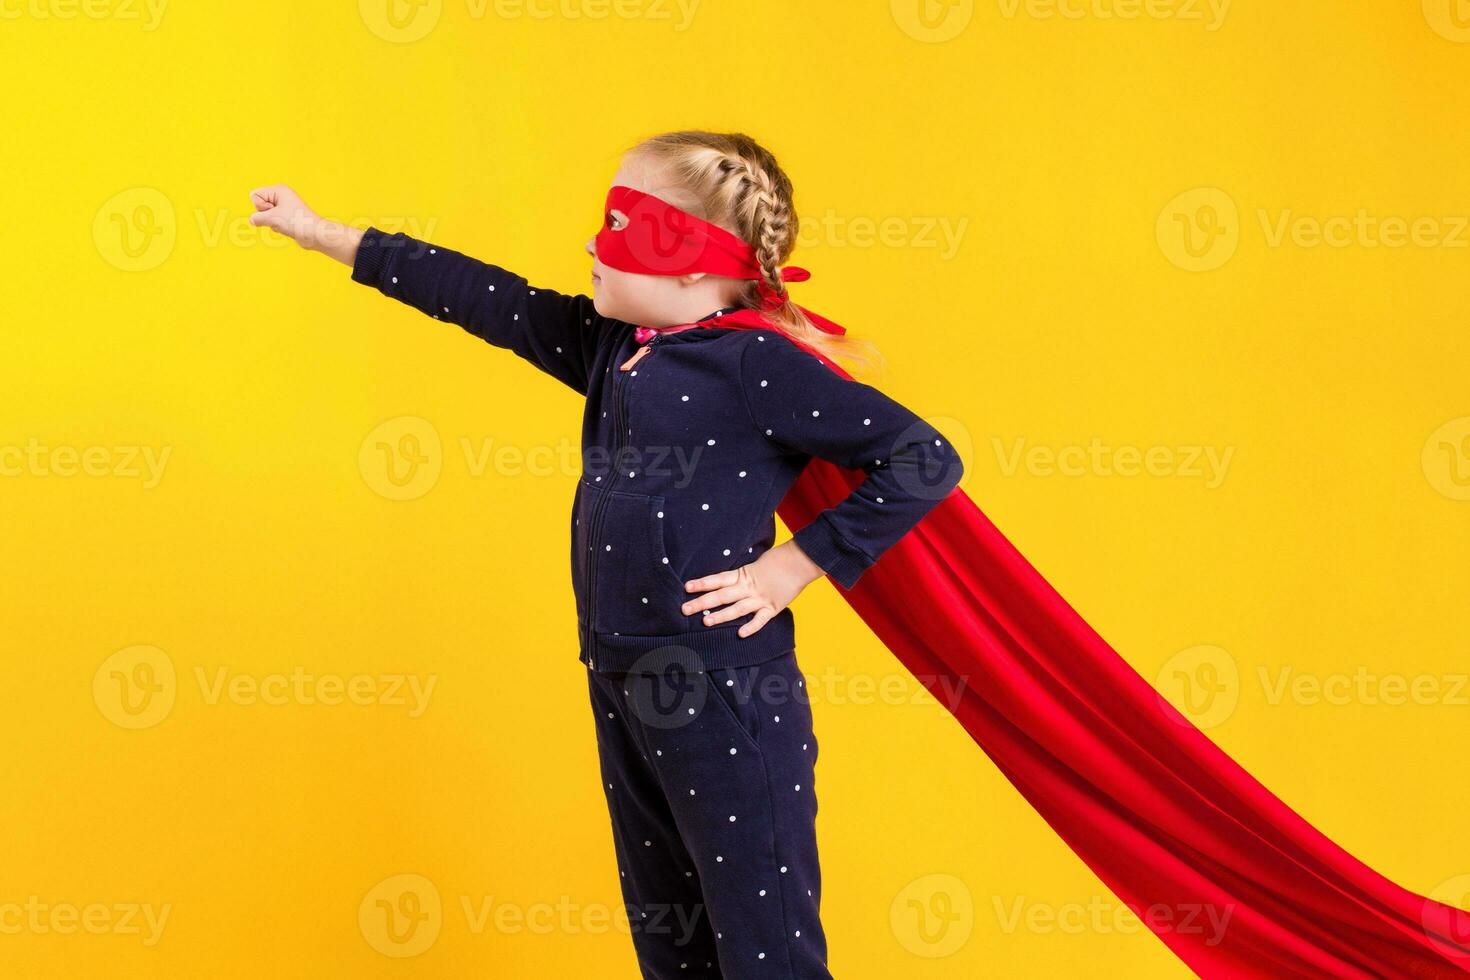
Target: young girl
(704,401)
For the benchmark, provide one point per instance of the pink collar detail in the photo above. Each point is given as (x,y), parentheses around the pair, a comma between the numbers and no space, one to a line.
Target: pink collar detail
(644,334)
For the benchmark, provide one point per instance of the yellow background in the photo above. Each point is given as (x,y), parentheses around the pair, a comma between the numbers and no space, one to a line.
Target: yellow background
(1072,308)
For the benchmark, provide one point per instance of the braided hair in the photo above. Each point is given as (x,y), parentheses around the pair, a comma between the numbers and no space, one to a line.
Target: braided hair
(732,181)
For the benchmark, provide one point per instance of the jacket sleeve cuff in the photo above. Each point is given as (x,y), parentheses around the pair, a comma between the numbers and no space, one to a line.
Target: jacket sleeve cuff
(837,557)
(371,259)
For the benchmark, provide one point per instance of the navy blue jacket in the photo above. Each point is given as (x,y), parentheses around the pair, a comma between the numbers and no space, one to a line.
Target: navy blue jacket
(686,455)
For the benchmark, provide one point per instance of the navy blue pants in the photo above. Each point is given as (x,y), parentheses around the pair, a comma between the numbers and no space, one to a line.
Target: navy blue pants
(708,776)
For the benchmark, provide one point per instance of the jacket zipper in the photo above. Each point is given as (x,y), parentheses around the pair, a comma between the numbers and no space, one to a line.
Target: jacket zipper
(590,584)
(597,512)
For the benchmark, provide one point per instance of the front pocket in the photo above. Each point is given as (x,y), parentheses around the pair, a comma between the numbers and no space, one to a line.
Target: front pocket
(734,689)
(635,588)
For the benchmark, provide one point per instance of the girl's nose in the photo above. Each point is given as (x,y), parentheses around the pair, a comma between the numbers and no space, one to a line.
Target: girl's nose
(592,247)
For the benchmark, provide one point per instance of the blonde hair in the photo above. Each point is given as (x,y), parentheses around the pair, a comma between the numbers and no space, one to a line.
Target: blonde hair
(730,180)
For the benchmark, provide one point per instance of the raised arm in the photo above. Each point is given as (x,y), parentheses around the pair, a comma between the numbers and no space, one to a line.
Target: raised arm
(557,333)
(803,406)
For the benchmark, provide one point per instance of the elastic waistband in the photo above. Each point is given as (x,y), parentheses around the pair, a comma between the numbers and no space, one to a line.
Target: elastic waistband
(714,647)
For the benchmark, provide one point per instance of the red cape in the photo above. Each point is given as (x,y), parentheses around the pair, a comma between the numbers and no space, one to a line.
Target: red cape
(1159,812)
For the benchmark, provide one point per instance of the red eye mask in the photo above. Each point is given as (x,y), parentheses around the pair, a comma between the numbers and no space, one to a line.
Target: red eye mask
(662,240)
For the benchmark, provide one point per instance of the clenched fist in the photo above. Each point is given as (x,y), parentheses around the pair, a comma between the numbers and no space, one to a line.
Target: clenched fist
(281,209)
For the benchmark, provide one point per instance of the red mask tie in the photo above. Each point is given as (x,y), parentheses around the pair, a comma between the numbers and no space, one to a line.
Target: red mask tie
(659,239)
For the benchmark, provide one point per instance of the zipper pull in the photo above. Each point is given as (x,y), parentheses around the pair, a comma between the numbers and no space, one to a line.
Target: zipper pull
(637,356)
